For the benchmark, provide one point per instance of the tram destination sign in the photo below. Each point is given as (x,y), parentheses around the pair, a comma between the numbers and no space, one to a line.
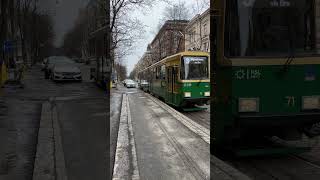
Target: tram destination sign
(271,3)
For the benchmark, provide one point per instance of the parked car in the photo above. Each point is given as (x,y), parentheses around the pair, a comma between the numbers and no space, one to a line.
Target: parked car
(144,85)
(124,82)
(78,60)
(130,84)
(54,60)
(66,72)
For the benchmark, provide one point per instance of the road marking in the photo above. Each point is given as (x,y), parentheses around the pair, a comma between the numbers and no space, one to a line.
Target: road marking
(125,146)
(198,129)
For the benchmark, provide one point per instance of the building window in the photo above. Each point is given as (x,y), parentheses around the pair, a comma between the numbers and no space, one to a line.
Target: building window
(205,47)
(194,36)
(205,30)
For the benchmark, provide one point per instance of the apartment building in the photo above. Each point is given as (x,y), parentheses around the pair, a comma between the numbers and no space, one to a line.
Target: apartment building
(198,33)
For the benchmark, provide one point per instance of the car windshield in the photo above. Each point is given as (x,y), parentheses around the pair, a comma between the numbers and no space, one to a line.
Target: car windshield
(62,64)
(194,68)
(60,60)
(270,28)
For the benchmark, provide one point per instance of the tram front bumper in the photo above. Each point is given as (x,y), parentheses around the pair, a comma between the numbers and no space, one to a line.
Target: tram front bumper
(299,119)
(198,101)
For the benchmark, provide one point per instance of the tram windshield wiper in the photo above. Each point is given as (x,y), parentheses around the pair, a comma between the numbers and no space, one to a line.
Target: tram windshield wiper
(287,63)
(291,50)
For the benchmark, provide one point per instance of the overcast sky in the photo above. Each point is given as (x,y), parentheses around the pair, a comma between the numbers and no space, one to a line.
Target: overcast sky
(64,14)
(151,20)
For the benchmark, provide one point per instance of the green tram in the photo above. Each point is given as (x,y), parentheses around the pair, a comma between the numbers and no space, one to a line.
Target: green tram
(181,80)
(265,76)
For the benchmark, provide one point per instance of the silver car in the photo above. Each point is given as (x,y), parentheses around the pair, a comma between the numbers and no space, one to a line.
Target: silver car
(66,72)
(130,84)
(52,61)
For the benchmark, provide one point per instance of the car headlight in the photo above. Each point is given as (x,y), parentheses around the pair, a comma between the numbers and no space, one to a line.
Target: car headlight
(187,94)
(310,102)
(248,104)
(207,94)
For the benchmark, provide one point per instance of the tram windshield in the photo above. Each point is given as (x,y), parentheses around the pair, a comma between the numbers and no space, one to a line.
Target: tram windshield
(193,68)
(270,28)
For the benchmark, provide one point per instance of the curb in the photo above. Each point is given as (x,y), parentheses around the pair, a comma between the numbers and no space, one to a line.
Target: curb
(49,160)
(44,166)
(60,166)
(125,147)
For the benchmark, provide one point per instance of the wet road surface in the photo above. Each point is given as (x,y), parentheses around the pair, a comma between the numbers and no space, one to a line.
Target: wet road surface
(20,110)
(165,148)
(84,137)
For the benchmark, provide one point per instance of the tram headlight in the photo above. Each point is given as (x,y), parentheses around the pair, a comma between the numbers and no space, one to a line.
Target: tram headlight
(248,104)
(310,102)
(187,94)
(207,94)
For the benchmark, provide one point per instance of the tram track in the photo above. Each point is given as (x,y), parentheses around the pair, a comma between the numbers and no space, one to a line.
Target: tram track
(190,152)
(201,117)
(195,127)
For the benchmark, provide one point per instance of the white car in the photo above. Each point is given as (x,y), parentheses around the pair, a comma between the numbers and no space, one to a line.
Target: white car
(66,72)
(54,60)
(130,84)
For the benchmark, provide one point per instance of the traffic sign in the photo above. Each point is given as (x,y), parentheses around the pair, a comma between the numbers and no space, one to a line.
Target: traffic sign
(8,46)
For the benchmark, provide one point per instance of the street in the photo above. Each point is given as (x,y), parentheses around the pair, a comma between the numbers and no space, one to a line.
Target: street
(165,147)
(82,111)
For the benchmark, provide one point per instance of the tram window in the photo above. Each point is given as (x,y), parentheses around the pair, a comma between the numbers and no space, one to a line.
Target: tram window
(154,73)
(194,68)
(163,72)
(158,73)
(264,28)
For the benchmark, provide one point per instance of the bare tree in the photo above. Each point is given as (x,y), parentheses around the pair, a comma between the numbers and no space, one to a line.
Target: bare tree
(25,9)
(200,6)
(126,30)
(177,11)
(122,71)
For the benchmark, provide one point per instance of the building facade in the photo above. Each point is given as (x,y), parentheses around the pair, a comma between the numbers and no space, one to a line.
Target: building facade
(198,33)
(169,40)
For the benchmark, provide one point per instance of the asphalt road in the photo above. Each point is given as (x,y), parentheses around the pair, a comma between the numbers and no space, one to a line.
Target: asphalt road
(165,148)
(20,110)
(84,137)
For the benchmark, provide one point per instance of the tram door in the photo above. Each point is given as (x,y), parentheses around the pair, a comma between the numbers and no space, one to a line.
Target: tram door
(172,76)
(169,83)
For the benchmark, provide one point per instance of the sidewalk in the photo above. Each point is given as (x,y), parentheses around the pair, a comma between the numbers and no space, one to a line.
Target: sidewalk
(19,119)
